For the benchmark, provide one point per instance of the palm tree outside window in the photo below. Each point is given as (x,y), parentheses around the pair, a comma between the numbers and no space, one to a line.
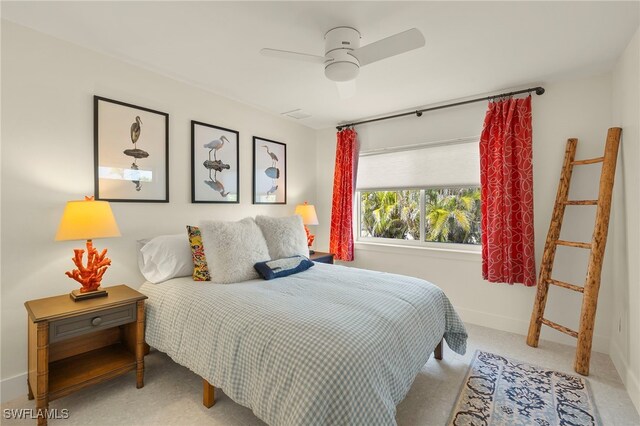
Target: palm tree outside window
(437,215)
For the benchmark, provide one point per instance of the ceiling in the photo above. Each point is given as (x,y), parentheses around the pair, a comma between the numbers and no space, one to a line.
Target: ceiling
(471,47)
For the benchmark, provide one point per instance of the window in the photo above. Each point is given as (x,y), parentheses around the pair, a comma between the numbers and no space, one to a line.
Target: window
(451,215)
(431,194)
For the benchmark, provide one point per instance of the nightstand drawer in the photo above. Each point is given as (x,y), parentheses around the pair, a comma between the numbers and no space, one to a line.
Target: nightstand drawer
(75,326)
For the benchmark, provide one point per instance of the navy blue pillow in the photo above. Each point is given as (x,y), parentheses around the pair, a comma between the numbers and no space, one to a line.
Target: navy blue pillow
(282,267)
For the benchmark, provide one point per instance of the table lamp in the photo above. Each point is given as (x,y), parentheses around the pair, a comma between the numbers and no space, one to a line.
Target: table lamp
(309,217)
(86,220)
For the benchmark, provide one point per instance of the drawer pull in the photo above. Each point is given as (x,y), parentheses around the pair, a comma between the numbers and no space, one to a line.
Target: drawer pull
(96,321)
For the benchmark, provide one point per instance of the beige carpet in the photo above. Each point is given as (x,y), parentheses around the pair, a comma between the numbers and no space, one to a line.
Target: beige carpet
(172,394)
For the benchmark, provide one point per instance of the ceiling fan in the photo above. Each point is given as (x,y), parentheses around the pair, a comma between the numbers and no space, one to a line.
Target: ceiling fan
(343,55)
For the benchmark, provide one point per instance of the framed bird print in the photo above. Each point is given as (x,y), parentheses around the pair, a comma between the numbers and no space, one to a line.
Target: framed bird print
(214,164)
(131,152)
(269,171)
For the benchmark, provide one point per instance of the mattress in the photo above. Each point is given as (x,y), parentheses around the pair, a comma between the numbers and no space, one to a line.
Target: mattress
(331,345)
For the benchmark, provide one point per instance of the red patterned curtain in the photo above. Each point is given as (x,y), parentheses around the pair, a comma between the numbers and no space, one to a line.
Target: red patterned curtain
(341,239)
(506,178)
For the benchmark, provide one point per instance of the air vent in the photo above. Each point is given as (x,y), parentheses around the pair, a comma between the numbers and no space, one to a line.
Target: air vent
(298,114)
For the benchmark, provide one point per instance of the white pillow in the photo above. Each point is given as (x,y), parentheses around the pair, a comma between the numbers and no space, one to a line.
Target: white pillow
(232,248)
(285,236)
(165,257)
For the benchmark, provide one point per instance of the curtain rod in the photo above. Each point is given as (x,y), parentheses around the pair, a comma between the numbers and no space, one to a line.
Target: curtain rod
(539,91)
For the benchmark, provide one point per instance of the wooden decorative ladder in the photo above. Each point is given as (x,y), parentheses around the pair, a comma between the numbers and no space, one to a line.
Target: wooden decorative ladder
(596,246)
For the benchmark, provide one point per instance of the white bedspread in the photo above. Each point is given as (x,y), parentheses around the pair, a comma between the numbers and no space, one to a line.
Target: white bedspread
(329,346)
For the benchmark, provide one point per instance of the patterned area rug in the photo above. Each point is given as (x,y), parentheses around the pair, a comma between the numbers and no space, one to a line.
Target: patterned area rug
(499,391)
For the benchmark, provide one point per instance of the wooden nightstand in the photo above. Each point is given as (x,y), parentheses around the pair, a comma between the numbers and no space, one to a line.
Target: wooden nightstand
(76,344)
(321,257)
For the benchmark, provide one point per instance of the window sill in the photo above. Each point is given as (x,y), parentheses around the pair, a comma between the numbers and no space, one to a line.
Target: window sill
(421,251)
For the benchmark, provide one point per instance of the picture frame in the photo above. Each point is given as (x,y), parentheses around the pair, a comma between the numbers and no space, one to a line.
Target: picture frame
(215,174)
(269,171)
(131,152)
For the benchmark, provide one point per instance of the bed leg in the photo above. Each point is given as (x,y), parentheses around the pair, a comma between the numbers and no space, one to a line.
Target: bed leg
(208,394)
(437,353)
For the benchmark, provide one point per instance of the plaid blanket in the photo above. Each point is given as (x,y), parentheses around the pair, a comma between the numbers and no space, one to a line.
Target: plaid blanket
(328,346)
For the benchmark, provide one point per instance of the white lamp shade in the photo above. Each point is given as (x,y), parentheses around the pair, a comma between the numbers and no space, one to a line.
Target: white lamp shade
(86,220)
(308,213)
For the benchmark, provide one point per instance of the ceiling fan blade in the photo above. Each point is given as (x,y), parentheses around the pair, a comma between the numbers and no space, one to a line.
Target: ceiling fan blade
(285,54)
(390,46)
(346,89)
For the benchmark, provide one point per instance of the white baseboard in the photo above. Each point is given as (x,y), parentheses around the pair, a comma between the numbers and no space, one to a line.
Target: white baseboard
(518,326)
(629,380)
(13,387)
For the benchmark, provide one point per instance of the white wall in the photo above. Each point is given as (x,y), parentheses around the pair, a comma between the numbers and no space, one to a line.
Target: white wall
(580,108)
(625,223)
(47,159)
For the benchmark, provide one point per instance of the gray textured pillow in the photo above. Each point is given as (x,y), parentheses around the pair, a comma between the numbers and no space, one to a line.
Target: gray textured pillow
(232,248)
(285,236)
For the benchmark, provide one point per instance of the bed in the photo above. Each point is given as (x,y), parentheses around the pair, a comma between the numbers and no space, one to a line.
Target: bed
(330,345)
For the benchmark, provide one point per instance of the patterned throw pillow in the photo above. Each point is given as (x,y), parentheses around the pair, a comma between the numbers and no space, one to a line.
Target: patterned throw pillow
(200,267)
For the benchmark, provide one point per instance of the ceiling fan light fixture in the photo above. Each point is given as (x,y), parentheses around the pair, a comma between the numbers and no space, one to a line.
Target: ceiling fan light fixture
(341,71)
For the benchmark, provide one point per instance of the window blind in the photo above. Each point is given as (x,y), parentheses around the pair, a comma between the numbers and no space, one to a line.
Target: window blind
(441,165)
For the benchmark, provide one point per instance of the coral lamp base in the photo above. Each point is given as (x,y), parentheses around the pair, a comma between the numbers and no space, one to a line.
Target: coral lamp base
(310,238)
(76,295)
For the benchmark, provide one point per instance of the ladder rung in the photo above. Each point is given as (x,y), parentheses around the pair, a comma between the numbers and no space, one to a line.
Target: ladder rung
(559,327)
(566,285)
(573,244)
(581,202)
(589,161)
